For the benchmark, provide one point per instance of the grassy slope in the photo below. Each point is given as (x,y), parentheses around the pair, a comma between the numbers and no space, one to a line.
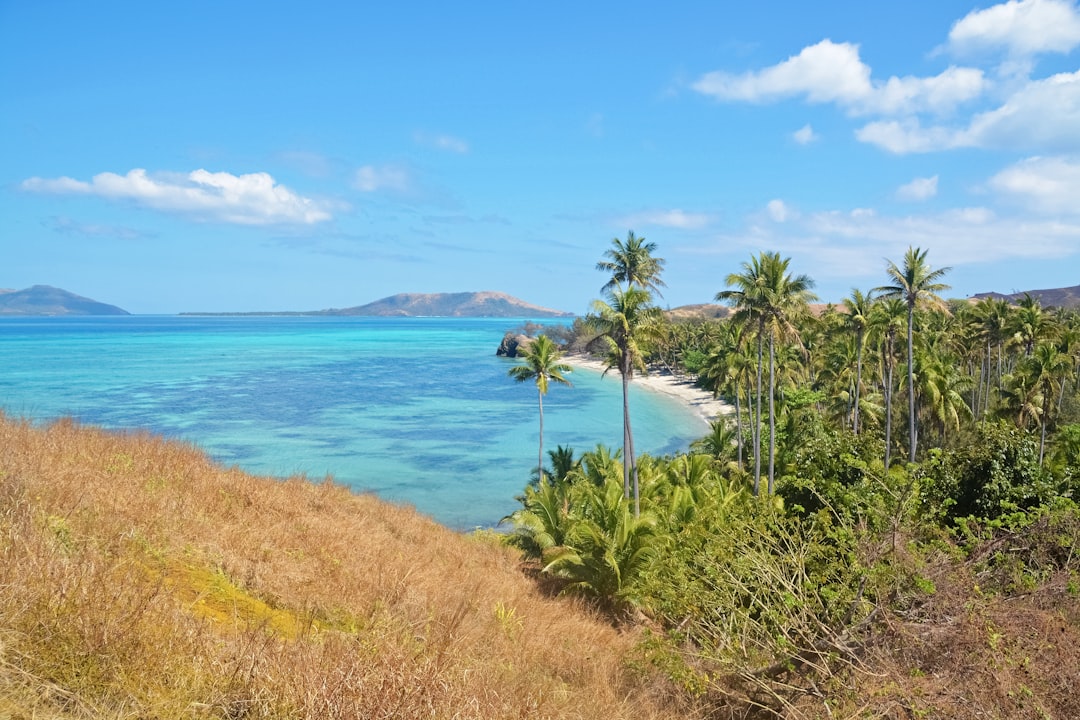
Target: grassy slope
(140,580)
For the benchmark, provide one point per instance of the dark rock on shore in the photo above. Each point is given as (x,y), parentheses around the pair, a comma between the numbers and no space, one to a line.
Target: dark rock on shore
(510,344)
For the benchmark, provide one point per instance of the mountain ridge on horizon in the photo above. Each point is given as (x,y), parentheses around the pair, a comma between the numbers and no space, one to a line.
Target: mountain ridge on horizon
(484,303)
(46,300)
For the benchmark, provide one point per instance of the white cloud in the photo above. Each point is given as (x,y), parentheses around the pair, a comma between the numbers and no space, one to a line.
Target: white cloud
(851,246)
(448,143)
(918,189)
(779,212)
(1042,115)
(805,135)
(677,219)
(1045,184)
(831,72)
(1024,27)
(370,178)
(251,199)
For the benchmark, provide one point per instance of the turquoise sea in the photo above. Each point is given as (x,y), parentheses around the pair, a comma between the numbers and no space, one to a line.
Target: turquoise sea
(416,410)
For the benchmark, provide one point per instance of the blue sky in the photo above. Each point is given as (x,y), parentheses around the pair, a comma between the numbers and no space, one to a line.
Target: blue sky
(238,156)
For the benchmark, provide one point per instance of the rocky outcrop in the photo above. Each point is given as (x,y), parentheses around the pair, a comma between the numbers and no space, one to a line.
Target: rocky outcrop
(511,343)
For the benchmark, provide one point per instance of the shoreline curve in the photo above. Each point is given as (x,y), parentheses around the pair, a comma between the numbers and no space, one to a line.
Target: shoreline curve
(700,402)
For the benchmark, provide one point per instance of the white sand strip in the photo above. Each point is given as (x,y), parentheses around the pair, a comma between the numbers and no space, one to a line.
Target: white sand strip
(700,401)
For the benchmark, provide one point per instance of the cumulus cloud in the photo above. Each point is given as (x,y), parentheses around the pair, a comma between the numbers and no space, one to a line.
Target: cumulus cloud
(851,245)
(918,189)
(371,178)
(1045,184)
(805,135)
(1021,27)
(830,72)
(677,219)
(251,199)
(779,212)
(1043,114)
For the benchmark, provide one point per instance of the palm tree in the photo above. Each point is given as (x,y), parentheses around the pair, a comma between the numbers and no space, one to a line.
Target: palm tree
(858,315)
(1030,322)
(885,319)
(917,285)
(632,263)
(1046,368)
(747,294)
(542,364)
(719,443)
(725,366)
(623,320)
(787,298)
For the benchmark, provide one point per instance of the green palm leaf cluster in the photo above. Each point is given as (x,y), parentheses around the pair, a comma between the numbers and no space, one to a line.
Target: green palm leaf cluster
(582,530)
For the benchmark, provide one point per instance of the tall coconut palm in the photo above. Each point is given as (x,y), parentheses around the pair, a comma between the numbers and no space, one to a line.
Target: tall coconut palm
(994,318)
(541,364)
(632,262)
(885,320)
(1030,322)
(917,285)
(747,291)
(1046,368)
(858,315)
(765,293)
(624,319)
(787,300)
(725,367)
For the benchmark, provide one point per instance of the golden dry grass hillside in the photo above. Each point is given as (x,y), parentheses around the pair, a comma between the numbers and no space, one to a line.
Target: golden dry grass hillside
(140,580)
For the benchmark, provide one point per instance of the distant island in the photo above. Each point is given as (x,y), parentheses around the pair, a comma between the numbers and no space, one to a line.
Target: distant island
(45,300)
(1068,297)
(463,304)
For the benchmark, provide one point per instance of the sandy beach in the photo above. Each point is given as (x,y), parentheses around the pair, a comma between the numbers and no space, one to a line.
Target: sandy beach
(700,401)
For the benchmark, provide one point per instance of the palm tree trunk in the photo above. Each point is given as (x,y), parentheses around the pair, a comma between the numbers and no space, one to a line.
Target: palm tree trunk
(858,379)
(540,459)
(1042,435)
(738,423)
(913,438)
(626,434)
(888,403)
(757,409)
(772,411)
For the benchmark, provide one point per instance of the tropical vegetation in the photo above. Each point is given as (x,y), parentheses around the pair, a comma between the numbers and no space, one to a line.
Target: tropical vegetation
(772,599)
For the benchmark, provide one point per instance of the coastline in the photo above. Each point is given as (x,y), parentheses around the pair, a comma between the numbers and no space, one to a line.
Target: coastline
(701,402)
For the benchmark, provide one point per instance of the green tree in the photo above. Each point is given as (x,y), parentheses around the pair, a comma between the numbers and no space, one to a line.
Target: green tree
(917,285)
(1045,368)
(623,321)
(885,320)
(746,293)
(633,263)
(858,316)
(786,300)
(723,372)
(541,364)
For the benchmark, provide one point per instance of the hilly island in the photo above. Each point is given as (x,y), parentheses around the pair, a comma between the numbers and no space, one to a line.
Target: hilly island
(462,304)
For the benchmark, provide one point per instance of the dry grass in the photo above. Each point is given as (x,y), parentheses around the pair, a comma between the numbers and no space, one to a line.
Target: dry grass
(139,579)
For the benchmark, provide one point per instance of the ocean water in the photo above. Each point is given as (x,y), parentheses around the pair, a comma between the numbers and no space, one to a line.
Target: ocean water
(416,410)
